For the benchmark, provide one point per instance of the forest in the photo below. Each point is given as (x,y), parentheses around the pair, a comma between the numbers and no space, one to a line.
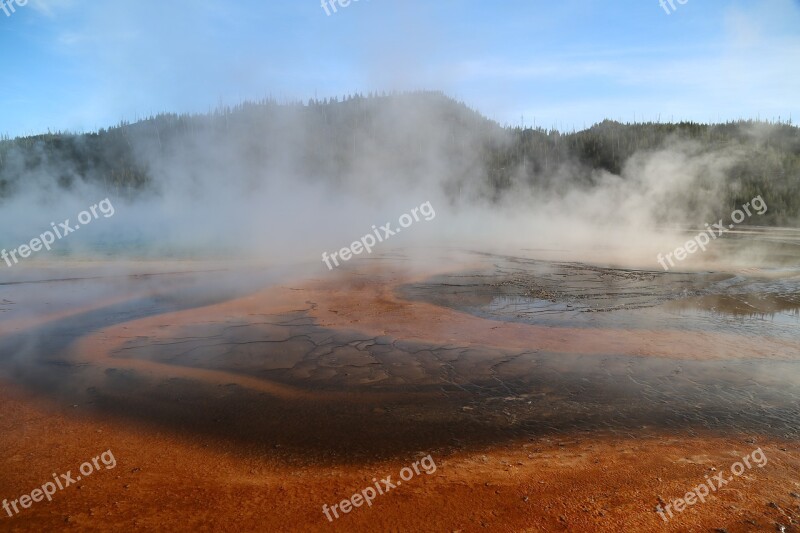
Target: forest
(400,136)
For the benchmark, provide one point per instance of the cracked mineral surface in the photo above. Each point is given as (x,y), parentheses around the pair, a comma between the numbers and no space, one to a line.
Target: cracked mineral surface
(525,379)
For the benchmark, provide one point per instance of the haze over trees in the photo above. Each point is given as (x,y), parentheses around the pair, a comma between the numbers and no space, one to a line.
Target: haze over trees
(411,138)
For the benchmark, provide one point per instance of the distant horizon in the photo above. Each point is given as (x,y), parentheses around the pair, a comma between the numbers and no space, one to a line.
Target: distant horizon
(528,125)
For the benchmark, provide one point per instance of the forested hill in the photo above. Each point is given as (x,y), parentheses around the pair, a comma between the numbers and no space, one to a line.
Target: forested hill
(409,137)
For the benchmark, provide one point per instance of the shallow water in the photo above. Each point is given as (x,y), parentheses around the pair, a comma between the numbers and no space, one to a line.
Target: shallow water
(762,301)
(361,393)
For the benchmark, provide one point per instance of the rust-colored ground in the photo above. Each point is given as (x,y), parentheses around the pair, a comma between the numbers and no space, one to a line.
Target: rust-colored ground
(169,482)
(218,474)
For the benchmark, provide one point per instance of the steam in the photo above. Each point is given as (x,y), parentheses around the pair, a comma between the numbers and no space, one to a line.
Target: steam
(276,184)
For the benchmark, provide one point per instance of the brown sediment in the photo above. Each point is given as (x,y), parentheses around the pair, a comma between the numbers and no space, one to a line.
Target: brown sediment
(370,305)
(17,325)
(97,348)
(252,413)
(171,482)
(374,307)
(361,344)
(29,297)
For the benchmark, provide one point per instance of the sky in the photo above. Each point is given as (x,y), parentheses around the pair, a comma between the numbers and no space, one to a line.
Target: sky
(81,65)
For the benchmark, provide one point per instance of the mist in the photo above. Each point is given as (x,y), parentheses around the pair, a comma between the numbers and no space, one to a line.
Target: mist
(282,183)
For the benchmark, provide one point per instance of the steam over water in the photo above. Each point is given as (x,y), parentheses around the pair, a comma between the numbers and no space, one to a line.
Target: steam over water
(611,349)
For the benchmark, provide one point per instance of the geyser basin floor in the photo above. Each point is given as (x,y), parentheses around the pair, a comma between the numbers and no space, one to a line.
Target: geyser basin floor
(239,410)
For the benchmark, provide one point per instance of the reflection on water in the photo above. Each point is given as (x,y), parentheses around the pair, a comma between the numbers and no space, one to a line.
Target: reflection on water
(759,302)
(407,394)
(775,308)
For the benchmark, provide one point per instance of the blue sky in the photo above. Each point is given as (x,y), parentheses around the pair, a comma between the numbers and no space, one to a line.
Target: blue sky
(81,65)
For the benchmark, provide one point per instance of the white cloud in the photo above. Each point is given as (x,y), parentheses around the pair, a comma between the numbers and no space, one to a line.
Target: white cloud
(50,8)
